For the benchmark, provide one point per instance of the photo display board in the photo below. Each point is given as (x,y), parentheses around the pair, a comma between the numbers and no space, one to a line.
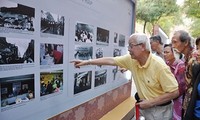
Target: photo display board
(38,39)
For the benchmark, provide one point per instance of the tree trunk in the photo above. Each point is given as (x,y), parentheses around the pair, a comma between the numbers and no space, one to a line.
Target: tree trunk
(145,23)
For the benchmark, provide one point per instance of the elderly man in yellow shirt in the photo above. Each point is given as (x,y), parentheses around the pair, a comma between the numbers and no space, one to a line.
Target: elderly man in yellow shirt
(155,84)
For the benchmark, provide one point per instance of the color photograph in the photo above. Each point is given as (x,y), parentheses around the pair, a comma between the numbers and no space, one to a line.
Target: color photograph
(51,54)
(16,90)
(51,82)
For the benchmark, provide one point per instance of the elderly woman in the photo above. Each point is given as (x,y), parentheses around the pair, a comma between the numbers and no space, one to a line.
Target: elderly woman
(177,67)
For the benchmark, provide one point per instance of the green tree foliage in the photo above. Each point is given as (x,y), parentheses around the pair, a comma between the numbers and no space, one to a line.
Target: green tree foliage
(195,28)
(192,10)
(151,11)
(168,22)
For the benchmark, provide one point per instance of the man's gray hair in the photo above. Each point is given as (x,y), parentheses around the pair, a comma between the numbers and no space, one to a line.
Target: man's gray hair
(184,36)
(142,38)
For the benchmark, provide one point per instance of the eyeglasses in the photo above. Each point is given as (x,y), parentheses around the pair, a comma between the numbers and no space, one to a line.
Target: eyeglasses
(130,46)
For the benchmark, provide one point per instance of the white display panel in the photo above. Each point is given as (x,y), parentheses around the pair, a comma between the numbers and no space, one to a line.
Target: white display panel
(38,39)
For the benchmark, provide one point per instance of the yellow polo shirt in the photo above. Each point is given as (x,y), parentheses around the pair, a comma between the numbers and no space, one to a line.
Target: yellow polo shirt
(152,79)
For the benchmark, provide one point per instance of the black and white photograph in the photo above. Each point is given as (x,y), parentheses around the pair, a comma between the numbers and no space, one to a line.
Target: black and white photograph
(115,70)
(16,17)
(82,81)
(52,23)
(83,52)
(16,90)
(51,82)
(119,73)
(117,52)
(121,40)
(16,51)
(116,38)
(100,77)
(84,33)
(99,52)
(51,54)
(102,37)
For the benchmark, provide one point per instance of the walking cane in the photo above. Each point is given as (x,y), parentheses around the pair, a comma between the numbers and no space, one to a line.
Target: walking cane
(137,112)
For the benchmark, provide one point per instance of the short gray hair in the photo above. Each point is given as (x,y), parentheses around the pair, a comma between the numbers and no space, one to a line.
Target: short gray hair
(184,36)
(142,38)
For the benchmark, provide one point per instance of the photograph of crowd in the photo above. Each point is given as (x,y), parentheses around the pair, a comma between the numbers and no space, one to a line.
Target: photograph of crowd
(51,82)
(82,81)
(121,40)
(100,77)
(51,54)
(16,50)
(116,37)
(102,36)
(84,33)
(83,52)
(16,90)
(16,16)
(116,52)
(52,23)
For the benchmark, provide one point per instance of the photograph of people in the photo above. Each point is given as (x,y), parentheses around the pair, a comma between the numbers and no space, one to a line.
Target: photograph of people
(102,36)
(83,52)
(121,40)
(84,33)
(99,53)
(116,38)
(51,54)
(16,90)
(16,16)
(51,82)
(116,52)
(100,77)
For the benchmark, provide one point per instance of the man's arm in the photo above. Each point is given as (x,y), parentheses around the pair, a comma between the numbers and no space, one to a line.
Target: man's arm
(159,100)
(99,61)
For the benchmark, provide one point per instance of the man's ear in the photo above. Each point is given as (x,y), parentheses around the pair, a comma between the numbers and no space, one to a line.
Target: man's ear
(143,47)
(186,43)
